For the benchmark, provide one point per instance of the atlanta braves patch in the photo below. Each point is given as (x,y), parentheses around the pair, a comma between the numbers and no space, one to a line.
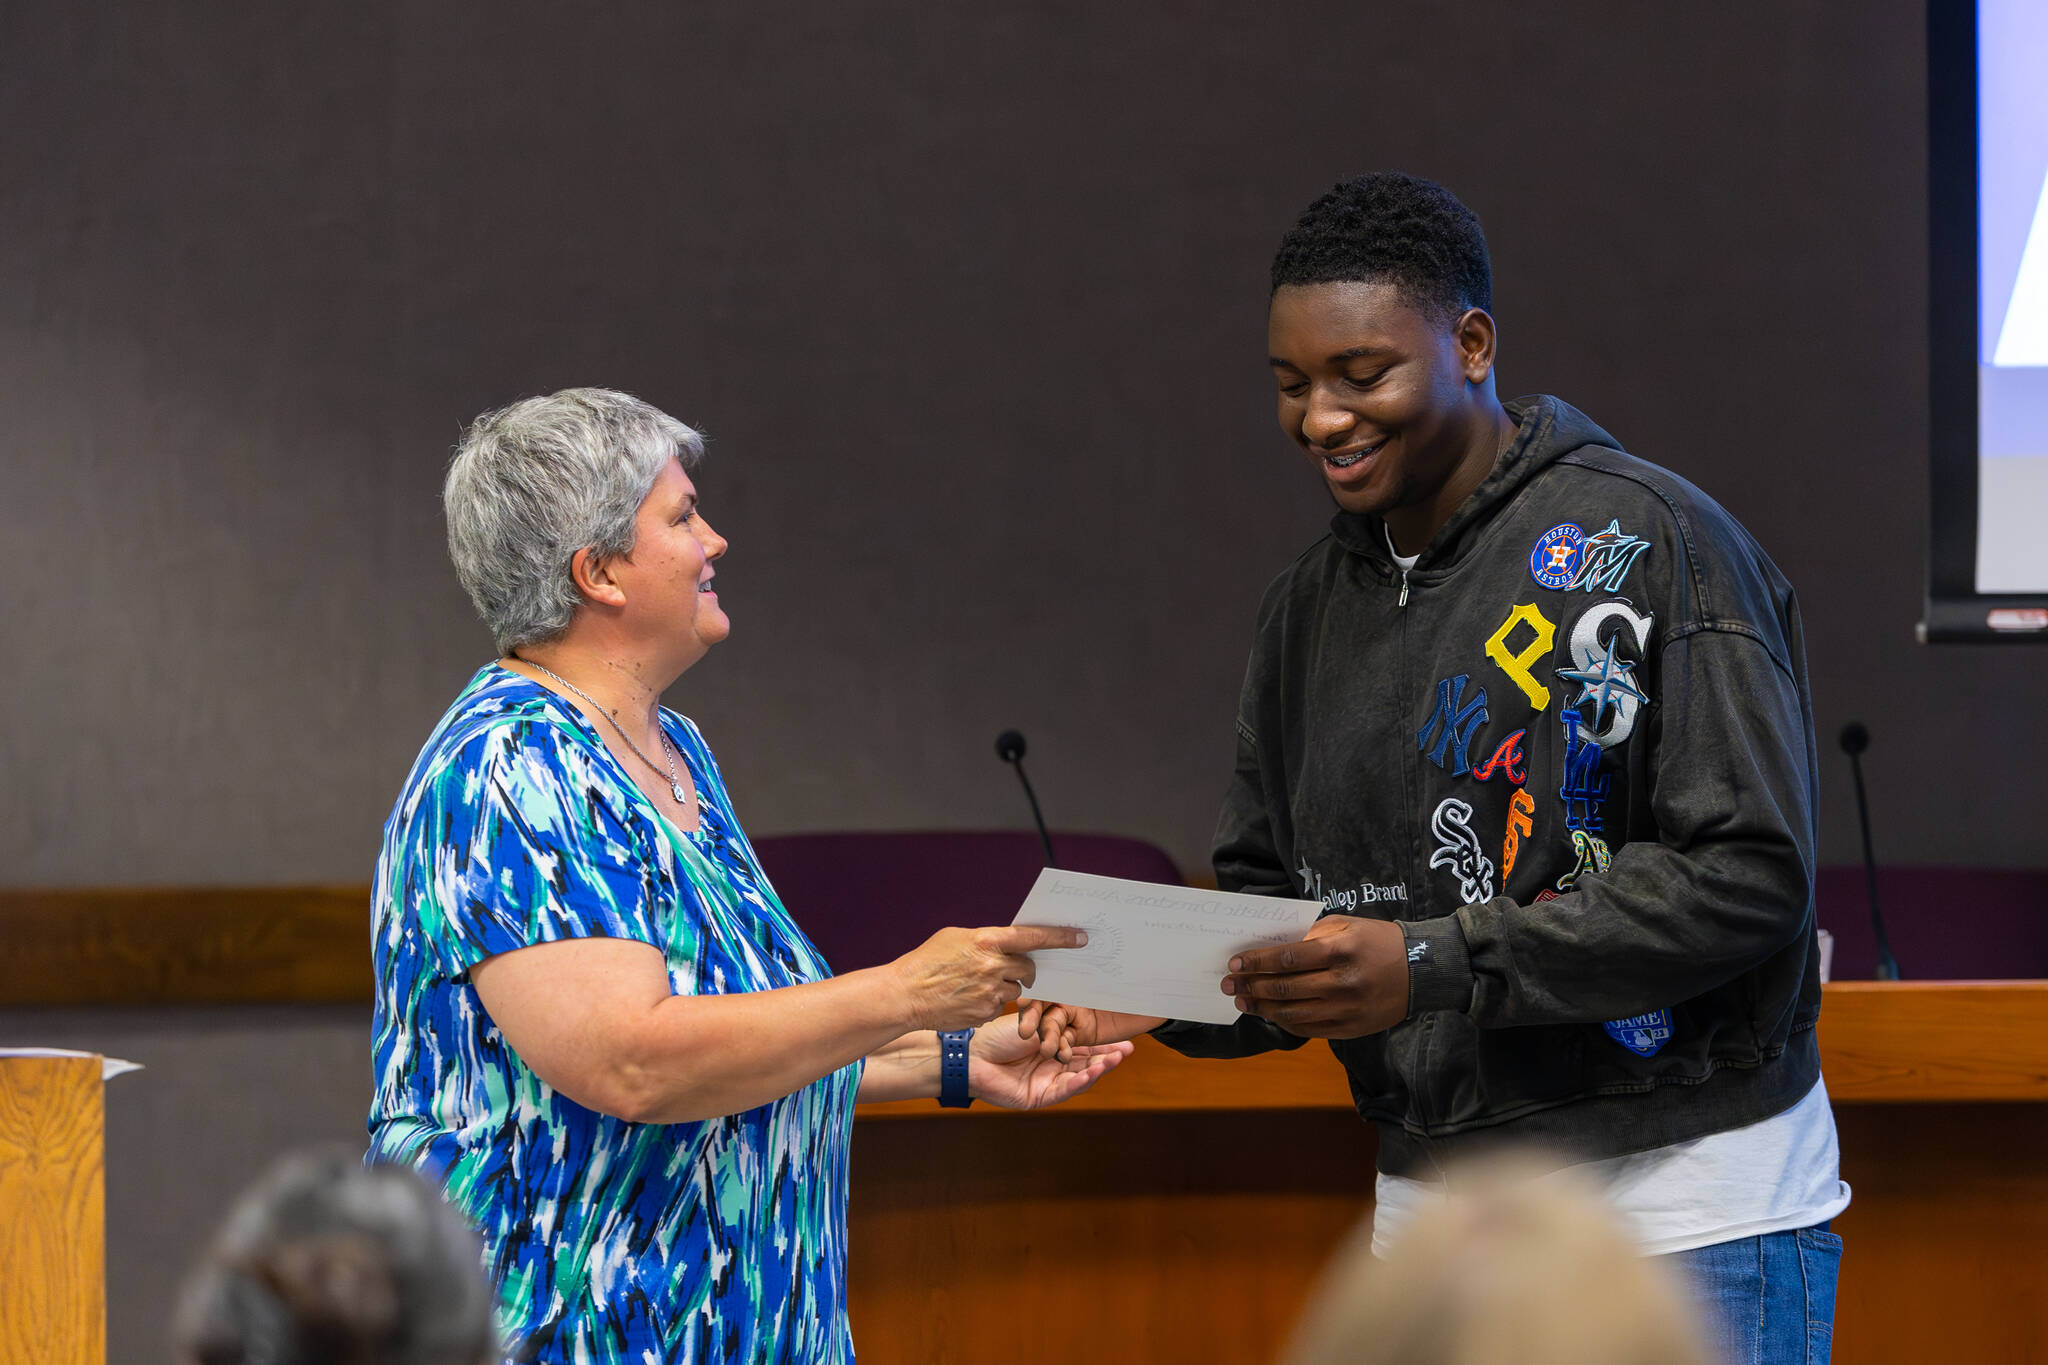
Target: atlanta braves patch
(1559,554)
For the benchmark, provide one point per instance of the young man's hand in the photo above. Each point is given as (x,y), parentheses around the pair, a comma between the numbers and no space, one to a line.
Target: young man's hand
(1346,978)
(1062,1031)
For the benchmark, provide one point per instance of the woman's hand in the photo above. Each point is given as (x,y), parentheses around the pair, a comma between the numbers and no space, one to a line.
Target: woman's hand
(1007,1069)
(1062,1032)
(961,978)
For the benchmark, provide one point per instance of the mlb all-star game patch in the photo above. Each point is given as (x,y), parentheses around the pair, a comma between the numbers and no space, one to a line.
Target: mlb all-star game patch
(1642,1034)
(1559,554)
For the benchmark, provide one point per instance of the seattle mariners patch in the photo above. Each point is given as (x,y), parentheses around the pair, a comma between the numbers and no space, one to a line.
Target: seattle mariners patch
(1604,676)
(1559,554)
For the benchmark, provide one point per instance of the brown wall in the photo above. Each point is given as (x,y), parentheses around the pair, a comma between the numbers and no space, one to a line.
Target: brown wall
(971,305)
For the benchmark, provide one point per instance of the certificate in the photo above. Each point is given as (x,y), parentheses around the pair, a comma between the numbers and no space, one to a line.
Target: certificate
(1152,949)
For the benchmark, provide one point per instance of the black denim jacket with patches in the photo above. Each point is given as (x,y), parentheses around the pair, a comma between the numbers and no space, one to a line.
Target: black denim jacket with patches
(1571,753)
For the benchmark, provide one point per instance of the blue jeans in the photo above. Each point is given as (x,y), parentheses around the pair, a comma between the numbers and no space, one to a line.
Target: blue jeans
(1767,1300)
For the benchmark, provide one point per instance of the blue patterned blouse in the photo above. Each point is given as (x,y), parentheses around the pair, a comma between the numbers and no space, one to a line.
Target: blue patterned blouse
(722,1240)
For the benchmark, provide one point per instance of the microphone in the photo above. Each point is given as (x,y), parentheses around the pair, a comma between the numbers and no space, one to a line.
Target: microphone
(1010,749)
(1855,739)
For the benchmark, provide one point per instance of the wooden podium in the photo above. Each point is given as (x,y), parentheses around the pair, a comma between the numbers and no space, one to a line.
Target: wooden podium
(53,1306)
(1181,1210)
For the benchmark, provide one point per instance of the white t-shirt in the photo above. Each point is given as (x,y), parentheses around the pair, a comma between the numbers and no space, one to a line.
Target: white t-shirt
(1781,1173)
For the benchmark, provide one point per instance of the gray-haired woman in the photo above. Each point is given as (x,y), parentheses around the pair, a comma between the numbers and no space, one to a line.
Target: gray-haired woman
(596,1025)
(324,1263)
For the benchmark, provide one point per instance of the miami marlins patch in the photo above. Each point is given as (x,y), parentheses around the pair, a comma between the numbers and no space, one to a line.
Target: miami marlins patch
(1458,849)
(1642,1034)
(1607,557)
(1559,555)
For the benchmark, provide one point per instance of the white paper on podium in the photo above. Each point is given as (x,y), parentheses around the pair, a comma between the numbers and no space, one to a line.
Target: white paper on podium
(1152,949)
(110,1067)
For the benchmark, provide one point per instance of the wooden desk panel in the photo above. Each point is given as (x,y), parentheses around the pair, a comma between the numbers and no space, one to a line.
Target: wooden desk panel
(1142,1237)
(1113,1238)
(1156,1079)
(1935,1041)
(1136,1187)
(1881,1042)
(53,1220)
(1945,1244)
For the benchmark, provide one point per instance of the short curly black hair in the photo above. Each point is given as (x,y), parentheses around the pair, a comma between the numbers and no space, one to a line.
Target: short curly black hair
(1388,226)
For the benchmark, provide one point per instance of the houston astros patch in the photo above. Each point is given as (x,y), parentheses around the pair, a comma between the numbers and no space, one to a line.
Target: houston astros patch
(1558,555)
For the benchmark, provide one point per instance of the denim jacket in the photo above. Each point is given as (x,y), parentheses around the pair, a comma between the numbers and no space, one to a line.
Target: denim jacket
(1571,753)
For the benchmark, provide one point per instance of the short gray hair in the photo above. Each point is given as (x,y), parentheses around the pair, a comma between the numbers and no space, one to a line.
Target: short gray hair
(324,1259)
(533,483)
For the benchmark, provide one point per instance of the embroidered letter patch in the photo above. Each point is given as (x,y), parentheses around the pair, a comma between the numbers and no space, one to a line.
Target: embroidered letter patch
(1607,557)
(1516,665)
(1453,719)
(1521,811)
(1458,849)
(1585,786)
(1603,675)
(1558,555)
(1593,857)
(1507,758)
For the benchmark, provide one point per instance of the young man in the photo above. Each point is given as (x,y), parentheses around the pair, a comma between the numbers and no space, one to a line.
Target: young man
(1532,723)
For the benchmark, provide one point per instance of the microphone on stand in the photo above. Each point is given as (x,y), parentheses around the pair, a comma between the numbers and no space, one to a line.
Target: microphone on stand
(1855,739)
(1010,749)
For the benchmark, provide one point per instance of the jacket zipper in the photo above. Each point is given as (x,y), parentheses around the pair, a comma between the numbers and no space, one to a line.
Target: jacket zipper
(1419,1097)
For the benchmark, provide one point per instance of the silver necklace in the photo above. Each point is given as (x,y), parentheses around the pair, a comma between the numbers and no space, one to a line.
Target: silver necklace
(675,783)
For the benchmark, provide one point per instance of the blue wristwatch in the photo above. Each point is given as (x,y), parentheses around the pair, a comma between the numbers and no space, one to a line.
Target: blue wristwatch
(953,1068)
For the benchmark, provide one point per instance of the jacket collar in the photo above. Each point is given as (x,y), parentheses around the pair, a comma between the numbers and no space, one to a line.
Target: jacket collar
(1546,429)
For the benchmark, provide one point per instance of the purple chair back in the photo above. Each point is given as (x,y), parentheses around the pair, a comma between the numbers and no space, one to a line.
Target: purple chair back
(1945,923)
(865,898)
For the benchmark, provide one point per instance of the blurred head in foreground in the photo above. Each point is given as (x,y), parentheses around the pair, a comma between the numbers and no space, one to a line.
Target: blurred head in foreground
(324,1262)
(1509,1269)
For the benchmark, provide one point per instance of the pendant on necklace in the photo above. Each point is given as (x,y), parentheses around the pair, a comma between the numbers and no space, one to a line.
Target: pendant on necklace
(682,798)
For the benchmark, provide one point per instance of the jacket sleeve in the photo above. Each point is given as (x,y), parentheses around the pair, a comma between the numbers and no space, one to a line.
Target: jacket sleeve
(1247,859)
(1724,882)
